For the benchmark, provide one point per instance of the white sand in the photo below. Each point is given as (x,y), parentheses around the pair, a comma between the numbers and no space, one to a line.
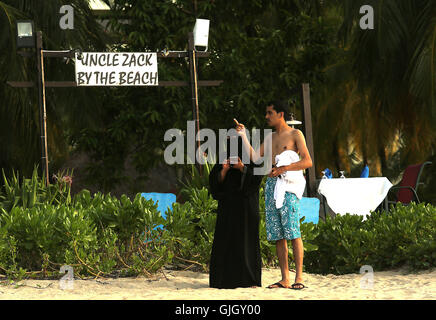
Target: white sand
(181,285)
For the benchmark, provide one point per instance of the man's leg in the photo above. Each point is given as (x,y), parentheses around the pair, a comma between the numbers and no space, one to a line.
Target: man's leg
(291,227)
(274,227)
(298,250)
(282,254)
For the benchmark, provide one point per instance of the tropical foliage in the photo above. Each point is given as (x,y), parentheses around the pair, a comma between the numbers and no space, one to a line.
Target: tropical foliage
(68,109)
(373,91)
(402,237)
(250,51)
(100,235)
(379,97)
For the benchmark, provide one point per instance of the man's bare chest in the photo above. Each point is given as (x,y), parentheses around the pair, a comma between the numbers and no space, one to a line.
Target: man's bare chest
(282,143)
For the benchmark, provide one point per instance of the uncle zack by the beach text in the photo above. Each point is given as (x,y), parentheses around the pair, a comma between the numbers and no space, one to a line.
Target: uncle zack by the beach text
(224,309)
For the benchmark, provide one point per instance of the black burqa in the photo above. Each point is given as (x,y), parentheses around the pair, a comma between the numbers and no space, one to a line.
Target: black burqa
(235,259)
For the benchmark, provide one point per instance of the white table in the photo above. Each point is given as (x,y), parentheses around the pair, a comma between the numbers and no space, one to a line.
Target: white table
(354,195)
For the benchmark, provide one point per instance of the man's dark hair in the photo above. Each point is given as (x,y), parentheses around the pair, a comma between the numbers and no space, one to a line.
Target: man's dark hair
(281,106)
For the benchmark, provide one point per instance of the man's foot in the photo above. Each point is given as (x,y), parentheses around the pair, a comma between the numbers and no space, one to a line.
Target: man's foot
(278,285)
(298,286)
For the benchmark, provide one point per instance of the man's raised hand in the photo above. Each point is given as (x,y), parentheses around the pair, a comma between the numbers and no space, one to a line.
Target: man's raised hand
(240,128)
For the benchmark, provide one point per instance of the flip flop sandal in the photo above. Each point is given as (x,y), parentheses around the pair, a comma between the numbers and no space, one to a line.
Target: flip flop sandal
(278,284)
(295,286)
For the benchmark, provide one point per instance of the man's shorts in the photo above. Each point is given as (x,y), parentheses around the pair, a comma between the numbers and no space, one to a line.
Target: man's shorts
(283,223)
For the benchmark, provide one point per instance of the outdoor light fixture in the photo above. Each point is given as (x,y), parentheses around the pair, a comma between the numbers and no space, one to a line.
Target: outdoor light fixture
(293,122)
(79,53)
(165,52)
(201,33)
(25,34)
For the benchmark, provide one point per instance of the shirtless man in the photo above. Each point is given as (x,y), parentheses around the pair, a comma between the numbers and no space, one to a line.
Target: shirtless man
(284,138)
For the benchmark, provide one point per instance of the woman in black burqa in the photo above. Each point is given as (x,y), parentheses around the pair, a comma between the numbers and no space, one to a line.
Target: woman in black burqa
(235,259)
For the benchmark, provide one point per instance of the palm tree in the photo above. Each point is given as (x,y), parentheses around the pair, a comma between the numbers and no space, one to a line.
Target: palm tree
(379,99)
(394,65)
(67,109)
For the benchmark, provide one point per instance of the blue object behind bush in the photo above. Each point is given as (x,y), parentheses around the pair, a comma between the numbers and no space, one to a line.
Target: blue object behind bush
(164,201)
(309,209)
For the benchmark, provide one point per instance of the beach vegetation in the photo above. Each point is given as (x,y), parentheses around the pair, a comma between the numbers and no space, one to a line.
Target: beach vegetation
(403,237)
(102,235)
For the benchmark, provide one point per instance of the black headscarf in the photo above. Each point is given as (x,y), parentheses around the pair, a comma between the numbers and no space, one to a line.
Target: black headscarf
(238,148)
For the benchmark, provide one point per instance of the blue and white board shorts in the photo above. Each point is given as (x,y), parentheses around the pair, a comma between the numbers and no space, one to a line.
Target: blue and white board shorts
(283,223)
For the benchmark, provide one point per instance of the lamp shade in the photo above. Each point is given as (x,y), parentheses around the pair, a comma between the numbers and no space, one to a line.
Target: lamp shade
(201,33)
(293,122)
(25,34)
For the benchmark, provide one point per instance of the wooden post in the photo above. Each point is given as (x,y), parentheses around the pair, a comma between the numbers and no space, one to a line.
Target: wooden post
(42,106)
(194,92)
(307,122)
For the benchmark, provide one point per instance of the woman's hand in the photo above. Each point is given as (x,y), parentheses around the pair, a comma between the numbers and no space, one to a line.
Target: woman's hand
(239,165)
(226,167)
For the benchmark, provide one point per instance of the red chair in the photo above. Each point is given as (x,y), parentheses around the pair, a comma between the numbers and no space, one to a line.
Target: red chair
(407,188)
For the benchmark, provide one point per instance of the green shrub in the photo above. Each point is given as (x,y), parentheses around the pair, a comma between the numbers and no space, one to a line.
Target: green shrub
(41,228)
(53,235)
(190,227)
(8,256)
(103,235)
(339,242)
(46,230)
(127,218)
(404,236)
(32,192)
(194,180)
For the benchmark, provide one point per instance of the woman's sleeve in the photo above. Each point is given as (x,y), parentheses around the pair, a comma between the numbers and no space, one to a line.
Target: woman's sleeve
(216,187)
(249,181)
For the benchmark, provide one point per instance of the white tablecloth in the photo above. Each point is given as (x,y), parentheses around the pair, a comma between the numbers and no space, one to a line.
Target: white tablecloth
(354,195)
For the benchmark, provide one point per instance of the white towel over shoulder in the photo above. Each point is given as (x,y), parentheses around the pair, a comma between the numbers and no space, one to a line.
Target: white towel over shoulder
(291,181)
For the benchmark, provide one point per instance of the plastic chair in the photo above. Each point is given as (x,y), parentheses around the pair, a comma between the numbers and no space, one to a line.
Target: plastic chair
(407,188)
(309,209)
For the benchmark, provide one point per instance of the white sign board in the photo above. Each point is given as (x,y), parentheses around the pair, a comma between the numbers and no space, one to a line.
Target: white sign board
(117,69)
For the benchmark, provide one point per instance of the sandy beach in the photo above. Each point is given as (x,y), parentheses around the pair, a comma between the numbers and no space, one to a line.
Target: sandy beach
(182,285)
